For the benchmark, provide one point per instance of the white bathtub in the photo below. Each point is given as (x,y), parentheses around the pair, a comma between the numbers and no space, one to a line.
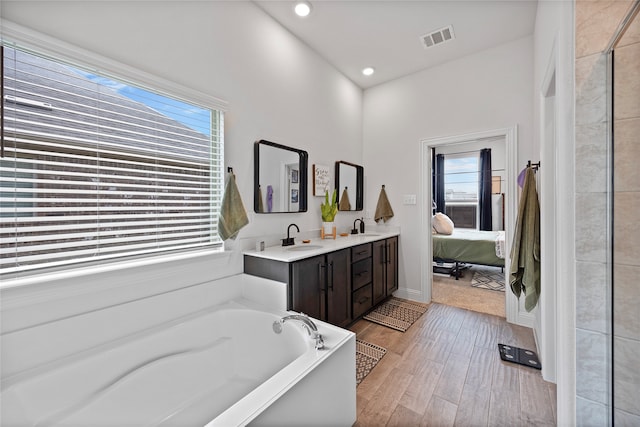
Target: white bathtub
(220,367)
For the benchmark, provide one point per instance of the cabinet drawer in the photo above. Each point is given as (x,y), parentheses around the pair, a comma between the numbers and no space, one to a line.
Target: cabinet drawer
(362,301)
(361,273)
(360,252)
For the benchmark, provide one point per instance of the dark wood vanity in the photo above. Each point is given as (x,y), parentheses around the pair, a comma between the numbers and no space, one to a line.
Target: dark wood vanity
(338,286)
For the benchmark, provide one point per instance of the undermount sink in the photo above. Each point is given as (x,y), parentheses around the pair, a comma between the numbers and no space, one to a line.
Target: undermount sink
(303,248)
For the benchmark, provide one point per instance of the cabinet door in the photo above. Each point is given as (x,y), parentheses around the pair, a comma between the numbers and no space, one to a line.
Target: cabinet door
(339,287)
(379,267)
(308,281)
(392,265)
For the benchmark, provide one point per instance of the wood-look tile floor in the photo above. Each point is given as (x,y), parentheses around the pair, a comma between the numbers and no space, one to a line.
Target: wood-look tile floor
(445,370)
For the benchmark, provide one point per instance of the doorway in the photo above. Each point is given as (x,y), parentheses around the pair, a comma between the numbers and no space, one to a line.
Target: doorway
(514,313)
(463,171)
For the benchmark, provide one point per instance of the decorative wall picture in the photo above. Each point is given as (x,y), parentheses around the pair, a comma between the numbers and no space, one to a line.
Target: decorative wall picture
(294,196)
(321,179)
(294,176)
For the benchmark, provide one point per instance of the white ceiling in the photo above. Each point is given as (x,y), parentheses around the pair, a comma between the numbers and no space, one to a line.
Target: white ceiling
(386,34)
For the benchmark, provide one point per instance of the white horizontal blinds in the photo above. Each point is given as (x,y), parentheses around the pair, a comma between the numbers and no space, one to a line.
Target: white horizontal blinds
(96,169)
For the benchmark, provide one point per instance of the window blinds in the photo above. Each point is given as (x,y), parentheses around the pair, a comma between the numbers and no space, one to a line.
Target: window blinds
(96,169)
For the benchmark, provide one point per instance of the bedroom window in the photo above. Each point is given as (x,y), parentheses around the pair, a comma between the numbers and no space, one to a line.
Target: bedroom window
(95,169)
(461,189)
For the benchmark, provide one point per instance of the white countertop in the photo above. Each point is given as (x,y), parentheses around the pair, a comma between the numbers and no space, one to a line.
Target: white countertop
(318,246)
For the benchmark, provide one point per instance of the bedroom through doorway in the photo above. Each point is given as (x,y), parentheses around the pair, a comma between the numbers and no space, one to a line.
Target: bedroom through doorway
(468,221)
(469,192)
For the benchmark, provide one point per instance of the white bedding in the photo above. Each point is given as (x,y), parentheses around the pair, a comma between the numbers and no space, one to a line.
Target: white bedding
(500,245)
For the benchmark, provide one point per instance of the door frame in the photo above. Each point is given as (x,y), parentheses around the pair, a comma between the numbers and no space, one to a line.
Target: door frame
(515,313)
(545,327)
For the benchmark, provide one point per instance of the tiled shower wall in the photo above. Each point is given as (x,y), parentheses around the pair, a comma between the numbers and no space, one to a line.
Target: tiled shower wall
(595,24)
(626,230)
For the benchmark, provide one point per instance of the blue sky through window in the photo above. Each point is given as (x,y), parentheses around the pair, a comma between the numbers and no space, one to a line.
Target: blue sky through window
(461,177)
(192,116)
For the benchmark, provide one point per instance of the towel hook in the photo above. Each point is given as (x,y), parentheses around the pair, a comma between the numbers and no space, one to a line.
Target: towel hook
(535,166)
(383,186)
(230,170)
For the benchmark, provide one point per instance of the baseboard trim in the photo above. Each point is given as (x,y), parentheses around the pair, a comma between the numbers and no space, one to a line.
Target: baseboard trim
(410,294)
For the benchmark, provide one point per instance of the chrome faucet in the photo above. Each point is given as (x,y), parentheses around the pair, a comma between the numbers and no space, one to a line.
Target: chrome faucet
(307,324)
(289,240)
(355,230)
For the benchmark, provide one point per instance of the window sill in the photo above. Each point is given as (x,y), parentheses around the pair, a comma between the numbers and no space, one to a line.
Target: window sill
(80,272)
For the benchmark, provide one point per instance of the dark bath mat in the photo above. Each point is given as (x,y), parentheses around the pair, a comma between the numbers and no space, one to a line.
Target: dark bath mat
(519,355)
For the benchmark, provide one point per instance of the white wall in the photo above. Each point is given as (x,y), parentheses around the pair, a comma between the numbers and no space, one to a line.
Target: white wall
(485,91)
(277,89)
(553,44)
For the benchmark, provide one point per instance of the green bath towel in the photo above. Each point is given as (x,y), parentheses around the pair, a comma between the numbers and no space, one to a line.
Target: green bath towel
(525,253)
(232,213)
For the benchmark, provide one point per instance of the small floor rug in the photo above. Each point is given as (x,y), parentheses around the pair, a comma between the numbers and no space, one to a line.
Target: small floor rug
(397,313)
(367,357)
(491,278)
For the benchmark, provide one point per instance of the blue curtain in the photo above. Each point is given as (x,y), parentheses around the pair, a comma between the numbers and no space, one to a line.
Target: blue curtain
(484,203)
(439,182)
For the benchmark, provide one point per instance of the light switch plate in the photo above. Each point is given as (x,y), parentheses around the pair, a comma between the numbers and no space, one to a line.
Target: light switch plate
(409,199)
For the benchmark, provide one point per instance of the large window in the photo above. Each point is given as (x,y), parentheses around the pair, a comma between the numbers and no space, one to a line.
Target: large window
(95,169)
(461,189)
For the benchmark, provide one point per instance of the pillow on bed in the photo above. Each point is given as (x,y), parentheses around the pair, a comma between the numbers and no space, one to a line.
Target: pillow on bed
(442,223)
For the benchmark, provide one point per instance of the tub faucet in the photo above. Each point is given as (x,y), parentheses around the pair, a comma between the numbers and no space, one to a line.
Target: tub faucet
(289,240)
(355,230)
(307,324)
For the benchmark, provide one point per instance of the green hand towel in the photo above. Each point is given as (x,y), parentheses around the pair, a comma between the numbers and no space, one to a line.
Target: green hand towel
(232,213)
(525,253)
(383,208)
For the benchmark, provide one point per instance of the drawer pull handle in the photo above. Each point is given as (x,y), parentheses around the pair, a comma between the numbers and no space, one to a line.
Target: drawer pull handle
(361,252)
(362,300)
(363,273)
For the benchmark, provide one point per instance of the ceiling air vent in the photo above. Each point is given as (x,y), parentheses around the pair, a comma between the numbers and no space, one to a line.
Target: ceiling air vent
(437,37)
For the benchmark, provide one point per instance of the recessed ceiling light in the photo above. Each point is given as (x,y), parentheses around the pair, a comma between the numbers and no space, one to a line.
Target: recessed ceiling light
(368,71)
(302,8)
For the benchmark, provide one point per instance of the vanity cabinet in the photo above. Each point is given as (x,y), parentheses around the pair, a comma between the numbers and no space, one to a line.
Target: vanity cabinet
(339,286)
(361,275)
(320,287)
(385,268)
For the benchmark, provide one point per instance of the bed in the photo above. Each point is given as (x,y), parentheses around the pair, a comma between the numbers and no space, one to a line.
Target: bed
(469,246)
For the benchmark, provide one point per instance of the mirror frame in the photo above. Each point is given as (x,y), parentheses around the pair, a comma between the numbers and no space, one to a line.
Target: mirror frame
(303,167)
(359,183)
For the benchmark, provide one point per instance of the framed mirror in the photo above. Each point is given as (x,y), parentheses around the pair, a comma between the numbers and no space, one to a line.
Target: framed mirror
(349,185)
(280,178)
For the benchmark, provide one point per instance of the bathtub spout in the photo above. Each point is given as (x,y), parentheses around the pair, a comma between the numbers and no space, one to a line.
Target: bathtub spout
(307,324)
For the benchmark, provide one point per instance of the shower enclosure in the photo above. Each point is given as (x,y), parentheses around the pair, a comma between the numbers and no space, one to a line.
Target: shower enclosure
(607,202)
(624,201)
